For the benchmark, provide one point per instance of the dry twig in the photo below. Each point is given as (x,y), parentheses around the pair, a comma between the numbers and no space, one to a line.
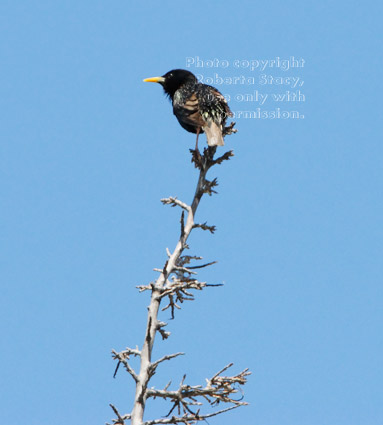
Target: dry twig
(175,282)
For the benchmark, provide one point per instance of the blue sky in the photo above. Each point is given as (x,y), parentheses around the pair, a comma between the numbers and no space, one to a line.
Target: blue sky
(88,151)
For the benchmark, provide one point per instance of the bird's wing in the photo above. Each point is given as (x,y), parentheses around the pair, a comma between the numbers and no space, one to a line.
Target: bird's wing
(191,103)
(188,111)
(219,99)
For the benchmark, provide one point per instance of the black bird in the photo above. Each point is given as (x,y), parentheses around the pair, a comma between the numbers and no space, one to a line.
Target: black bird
(198,107)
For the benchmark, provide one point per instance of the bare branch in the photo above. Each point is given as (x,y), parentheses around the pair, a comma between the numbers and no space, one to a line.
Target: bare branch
(182,221)
(188,419)
(204,226)
(186,259)
(173,201)
(123,357)
(225,157)
(164,358)
(184,270)
(203,265)
(143,288)
(222,370)
(164,334)
(120,419)
(229,129)
(218,389)
(208,186)
(172,305)
(175,282)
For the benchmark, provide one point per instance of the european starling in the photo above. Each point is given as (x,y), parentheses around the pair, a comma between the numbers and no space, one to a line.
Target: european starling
(198,107)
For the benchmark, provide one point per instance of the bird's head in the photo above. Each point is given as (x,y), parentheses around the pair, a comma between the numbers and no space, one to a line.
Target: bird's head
(173,80)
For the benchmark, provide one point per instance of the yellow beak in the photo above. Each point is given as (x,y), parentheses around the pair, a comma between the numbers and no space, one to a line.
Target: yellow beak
(155,80)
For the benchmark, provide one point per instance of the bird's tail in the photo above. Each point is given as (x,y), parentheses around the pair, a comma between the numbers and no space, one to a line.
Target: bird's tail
(213,134)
